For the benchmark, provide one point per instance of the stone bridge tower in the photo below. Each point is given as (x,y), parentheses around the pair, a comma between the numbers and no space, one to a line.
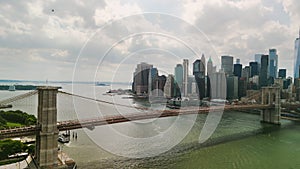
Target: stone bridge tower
(271,96)
(46,137)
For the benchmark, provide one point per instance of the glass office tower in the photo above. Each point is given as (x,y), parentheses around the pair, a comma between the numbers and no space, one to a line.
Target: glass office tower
(297,57)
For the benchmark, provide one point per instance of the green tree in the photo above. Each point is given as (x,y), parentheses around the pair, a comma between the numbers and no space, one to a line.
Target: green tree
(10,147)
(18,117)
(31,149)
(2,123)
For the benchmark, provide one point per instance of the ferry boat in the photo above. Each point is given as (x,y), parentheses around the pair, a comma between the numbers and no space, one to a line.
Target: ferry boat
(63,139)
(11,88)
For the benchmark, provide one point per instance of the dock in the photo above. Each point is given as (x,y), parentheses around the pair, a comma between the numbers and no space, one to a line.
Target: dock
(65,162)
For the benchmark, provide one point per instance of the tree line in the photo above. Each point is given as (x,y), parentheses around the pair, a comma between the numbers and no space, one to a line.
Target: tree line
(16,116)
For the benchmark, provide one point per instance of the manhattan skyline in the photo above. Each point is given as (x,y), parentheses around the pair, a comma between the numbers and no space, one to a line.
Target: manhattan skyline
(42,40)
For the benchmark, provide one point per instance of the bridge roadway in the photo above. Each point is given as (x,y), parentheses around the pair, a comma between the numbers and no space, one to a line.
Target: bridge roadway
(88,123)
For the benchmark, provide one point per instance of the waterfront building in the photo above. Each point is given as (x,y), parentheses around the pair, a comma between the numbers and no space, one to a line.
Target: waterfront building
(297,57)
(141,79)
(192,86)
(273,63)
(242,87)
(232,87)
(207,86)
(279,82)
(297,88)
(156,84)
(264,71)
(178,77)
(254,83)
(227,64)
(169,87)
(159,83)
(185,77)
(218,85)
(191,82)
(153,74)
(287,82)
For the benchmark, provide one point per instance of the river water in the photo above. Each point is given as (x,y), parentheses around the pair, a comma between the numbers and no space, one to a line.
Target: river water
(240,140)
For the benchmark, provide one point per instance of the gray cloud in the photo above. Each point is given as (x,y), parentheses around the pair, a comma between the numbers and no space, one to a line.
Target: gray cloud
(33,37)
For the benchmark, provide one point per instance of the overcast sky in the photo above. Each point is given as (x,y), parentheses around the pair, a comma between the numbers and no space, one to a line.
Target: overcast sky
(104,40)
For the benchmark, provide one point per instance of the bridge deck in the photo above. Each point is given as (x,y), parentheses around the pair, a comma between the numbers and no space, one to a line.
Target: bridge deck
(76,124)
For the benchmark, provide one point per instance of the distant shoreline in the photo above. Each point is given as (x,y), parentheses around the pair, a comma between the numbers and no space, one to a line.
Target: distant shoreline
(19,87)
(12,81)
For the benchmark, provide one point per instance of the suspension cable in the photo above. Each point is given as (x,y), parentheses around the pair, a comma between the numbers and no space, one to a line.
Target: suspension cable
(103,101)
(18,97)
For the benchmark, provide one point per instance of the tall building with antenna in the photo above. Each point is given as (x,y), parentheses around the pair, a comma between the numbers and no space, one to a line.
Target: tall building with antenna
(297,57)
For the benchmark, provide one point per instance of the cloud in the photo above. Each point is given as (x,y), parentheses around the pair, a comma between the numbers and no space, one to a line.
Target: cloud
(45,35)
(243,28)
(114,10)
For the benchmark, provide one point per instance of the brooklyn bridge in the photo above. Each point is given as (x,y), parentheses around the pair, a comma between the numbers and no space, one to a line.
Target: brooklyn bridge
(48,127)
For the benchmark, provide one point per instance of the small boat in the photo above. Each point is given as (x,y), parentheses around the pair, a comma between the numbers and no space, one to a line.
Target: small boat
(11,88)
(63,139)
(101,84)
(67,133)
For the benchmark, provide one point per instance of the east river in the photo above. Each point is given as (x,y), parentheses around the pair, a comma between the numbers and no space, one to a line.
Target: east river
(239,141)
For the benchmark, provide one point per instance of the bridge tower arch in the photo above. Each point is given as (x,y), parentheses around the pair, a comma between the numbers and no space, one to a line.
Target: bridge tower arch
(271,96)
(46,136)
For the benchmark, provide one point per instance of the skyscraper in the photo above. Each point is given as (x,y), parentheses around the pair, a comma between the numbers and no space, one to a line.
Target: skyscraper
(169,87)
(263,80)
(253,69)
(203,60)
(242,87)
(246,73)
(273,63)
(141,79)
(282,73)
(185,77)
(257,58)
(210,67)
(297,57)
(237,69)
(199,73)
(218,85)
(199,68)
(153,74)
(227,64)
(232,87)
(178,79)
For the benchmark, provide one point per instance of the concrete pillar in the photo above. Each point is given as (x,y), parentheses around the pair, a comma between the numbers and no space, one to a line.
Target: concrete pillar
(46,138)
(271,115)
(277,106)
